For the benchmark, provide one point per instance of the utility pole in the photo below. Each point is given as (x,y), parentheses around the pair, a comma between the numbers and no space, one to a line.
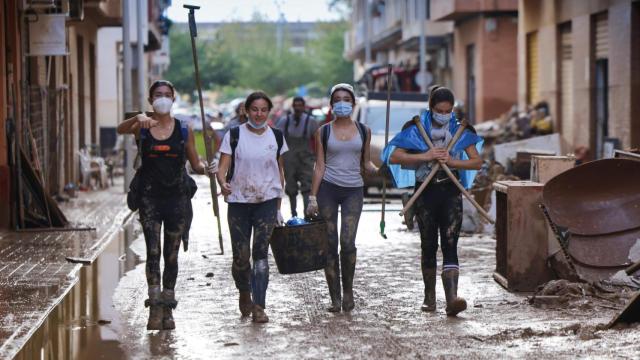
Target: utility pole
(423,45)
(367,34)
(126,90)
(279,27)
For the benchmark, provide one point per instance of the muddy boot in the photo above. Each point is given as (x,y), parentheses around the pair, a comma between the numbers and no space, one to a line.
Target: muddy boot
(293,203)
(245,303)
(170,303)
(154,303)
(455,304)
(429,278)
(348,264)
(332,273)
(259,315)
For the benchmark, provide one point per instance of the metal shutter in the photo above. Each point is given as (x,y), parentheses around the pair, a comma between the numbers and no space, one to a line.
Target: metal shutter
(566,80)
(602,36)
(533,82)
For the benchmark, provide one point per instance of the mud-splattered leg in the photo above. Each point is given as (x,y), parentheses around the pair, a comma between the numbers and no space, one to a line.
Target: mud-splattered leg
(175,219)
(151,221)
(240,230)
(328,208)
(450,220)
(264,220)
(350,216)
(426,209)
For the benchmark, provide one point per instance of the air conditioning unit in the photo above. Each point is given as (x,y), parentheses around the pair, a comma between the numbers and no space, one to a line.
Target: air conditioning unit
(38,4)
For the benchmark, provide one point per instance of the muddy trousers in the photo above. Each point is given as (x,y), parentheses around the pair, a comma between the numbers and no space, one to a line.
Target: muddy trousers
(439,210)
(298,172)
(259,218)
(350,201)
(154,213)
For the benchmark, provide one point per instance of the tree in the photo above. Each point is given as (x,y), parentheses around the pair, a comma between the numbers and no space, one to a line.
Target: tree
(217,68)
(327,54)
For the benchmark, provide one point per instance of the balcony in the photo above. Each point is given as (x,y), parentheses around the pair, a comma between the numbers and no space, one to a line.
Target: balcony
(455,10)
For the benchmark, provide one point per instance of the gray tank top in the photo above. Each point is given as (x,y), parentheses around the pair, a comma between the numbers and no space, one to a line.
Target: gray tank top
(342,165)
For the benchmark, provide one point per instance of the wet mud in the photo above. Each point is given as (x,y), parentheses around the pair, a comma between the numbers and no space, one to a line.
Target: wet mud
(386,323)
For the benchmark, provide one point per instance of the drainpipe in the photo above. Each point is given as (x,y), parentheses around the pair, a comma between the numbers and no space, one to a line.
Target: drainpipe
(423,46)
(142,86)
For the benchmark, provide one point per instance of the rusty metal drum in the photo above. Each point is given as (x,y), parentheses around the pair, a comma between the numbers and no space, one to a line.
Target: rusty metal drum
(300,248)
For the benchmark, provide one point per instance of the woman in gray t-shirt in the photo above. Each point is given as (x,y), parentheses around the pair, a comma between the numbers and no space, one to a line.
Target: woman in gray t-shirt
(337,183)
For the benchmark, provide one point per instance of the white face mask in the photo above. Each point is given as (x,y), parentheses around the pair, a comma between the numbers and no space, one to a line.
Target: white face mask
(162,105)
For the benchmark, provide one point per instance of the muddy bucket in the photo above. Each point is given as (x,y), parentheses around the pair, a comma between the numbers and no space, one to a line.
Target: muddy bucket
(300,248)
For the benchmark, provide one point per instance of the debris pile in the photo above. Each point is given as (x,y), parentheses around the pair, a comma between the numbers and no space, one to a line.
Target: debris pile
(570,295)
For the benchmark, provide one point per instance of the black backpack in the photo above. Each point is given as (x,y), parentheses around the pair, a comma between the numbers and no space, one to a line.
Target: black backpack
(234,137)
(325,131)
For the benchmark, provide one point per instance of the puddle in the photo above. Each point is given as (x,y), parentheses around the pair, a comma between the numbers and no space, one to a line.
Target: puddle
(85,324)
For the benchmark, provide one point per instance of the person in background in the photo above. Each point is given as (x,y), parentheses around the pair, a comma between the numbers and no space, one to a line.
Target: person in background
(252,181)
(165,197)
(298,129)
(342,151)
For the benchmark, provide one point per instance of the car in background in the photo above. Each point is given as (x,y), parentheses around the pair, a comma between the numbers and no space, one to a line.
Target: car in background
(371,111)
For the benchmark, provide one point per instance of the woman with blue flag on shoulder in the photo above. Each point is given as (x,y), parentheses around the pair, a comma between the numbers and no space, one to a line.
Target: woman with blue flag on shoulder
(439,208)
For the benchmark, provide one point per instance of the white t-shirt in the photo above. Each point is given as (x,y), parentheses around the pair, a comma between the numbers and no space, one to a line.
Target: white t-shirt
(256,177)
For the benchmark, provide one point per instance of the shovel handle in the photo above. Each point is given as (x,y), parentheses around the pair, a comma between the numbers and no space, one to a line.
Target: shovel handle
(633,268)
(455,179)
(436,167)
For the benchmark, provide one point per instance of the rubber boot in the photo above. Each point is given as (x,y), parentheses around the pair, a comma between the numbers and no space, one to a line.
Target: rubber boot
(293,202)
(245,303)
(259,283)
(348,264)
(429,278)
(455,304)
(170,303)
(332,273)
(154,303)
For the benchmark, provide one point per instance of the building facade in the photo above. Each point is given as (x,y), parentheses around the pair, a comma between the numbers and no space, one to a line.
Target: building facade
(389,32)
(485,75)
(583,58)
(49,102)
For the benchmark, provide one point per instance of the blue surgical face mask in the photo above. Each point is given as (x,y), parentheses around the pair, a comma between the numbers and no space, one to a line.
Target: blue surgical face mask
(257,126)
(441,119)
(342,108)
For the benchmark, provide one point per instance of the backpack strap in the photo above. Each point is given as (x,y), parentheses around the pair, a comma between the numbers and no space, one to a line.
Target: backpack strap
(184,130)
(306,125)
(234,137)
(325,130)
(279,140)
(362,129)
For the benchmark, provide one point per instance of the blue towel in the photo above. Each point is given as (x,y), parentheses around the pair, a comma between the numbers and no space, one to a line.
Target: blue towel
(410,139)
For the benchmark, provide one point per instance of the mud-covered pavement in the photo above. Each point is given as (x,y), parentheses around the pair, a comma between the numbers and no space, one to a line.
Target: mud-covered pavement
(386,323)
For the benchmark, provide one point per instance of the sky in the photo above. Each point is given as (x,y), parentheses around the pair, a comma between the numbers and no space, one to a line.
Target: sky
(243,10)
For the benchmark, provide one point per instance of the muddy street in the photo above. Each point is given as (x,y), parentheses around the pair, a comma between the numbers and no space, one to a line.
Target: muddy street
(386,323)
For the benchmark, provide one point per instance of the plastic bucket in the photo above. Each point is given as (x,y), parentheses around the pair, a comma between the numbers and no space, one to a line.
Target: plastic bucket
(300,248)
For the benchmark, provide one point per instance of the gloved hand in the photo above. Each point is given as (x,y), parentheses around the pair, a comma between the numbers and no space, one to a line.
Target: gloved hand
(312,207)
(211,168)
(280,218)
